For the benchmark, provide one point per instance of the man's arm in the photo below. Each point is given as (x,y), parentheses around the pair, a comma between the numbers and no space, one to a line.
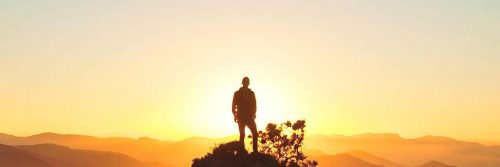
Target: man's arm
(254,105)
(233,107)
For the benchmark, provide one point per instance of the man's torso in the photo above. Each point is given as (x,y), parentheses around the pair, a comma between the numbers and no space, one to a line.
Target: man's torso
(245,102)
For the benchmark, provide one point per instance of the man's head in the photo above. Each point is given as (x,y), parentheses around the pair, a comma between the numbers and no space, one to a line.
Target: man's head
(245,82)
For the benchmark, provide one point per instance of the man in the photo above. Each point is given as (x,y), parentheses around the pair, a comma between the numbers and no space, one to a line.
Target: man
(244,108)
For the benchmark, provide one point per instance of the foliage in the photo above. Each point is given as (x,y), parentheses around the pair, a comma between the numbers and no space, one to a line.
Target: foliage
(284,142)
(279,145)
(233,155)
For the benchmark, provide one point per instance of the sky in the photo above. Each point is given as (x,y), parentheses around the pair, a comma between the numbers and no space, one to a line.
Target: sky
(168,69)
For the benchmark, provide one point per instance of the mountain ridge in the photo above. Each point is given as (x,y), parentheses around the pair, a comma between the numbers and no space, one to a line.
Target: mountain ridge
(51,155)
(434,163)
(387,145)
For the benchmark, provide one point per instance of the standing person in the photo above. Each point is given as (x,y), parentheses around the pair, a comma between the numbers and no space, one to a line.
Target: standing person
(244,109)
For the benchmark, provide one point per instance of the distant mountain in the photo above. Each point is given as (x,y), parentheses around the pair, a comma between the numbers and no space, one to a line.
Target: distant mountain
(490,143)
(140,148)
(343,160)
(314,152)
(410,151)
(178,153)
(14,157)
(181,153)
(50,155)
(374,159)
(434,164)
(354,159)
(389,150)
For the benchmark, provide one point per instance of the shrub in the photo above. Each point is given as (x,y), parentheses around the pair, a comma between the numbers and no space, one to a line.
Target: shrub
(233,155)
(284,142)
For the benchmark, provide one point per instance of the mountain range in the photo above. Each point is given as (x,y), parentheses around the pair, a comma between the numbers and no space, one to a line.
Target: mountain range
(366,150)
(51,155)
(411,151)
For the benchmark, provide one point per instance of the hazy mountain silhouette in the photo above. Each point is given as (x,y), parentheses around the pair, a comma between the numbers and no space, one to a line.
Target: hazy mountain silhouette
(411,151)
(390,147)
(142,148)
(64,156)
(343,160)
(434,164)
(314,152)
(179,153)
(374,159)
(14,157)
(50,155)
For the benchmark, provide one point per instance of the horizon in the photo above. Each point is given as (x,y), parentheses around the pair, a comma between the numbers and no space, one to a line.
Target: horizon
(359,150)
(169,69)
(235,136)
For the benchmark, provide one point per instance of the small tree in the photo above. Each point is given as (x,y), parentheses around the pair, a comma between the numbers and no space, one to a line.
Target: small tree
(284,142)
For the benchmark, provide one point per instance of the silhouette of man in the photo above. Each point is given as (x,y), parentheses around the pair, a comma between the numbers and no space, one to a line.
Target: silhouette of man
(244,108)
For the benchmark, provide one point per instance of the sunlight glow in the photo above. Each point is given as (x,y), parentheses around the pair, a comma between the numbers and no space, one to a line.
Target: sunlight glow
(168,69)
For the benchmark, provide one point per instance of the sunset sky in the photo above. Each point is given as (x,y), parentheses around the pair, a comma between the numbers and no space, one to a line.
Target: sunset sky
(168,69)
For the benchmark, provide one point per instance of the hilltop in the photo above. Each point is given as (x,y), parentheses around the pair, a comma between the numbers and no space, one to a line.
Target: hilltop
(232,155)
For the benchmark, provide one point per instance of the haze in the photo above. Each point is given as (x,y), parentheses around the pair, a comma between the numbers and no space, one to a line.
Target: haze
(169,69)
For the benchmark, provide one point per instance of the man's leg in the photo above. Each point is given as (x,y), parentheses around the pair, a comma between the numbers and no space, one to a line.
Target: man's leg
(253,129)
(241,126)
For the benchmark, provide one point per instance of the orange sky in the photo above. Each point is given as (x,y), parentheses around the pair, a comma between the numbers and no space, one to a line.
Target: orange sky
(169,69)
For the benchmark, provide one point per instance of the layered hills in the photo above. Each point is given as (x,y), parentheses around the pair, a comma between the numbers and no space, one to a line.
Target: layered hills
(50,155)
(388,150)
